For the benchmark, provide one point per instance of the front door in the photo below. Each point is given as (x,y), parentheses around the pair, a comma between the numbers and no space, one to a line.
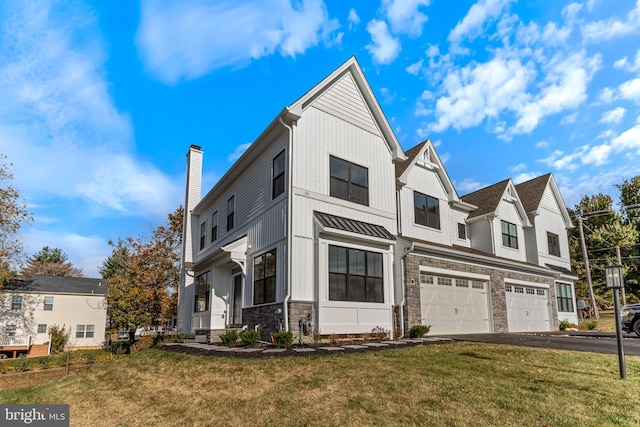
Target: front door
(237,299)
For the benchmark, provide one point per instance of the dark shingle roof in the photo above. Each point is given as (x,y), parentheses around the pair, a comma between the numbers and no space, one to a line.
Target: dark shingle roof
(411,155)
(58,284)
(353,226)
(531,192)
(486,199)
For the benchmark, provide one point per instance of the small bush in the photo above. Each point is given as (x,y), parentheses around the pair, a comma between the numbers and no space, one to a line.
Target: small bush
(91,358)
(59,338)
(418,331)
(333,339)
(249,337)
(44,362)
(142,344)
(283,339)
(564,325)
(21,363)
(380,333)
(230,337)
(591,324)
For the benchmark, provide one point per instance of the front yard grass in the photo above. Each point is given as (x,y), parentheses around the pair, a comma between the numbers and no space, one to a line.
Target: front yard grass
(455,384)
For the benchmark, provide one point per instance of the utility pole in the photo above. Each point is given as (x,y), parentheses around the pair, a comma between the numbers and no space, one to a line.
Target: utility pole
(624,298)
(587,269)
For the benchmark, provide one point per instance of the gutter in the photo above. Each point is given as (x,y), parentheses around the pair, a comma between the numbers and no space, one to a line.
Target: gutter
(285,308)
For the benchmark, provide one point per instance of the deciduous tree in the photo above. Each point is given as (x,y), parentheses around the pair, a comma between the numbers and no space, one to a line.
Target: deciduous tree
(13,214)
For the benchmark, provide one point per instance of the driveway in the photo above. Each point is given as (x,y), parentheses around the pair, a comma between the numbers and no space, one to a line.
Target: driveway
(596,342)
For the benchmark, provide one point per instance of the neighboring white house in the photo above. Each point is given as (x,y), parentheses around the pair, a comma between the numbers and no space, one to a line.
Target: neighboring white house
(326,223)
(30,307)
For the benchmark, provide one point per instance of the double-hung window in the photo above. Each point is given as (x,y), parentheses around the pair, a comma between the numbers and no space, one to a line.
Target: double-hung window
(42,328)
(426,210)
(203,287)
(214,226)
(203,234)
(509,235)
(349,181)
(462,231)
(277,185)
(554,244)
(264,278)
(355,275)
(231,208)
(48,304)
(16,302)
(563,295)
(85,331)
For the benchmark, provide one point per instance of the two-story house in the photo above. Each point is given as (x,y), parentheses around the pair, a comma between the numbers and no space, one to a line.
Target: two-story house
(325,222)
(30,307)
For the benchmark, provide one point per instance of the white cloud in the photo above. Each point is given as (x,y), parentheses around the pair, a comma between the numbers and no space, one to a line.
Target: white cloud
(541,144)
(414,68)
(608,29)
(630,90)
(607,95)
(238,151)
(569,119)
(404,16)
(56,105)
(187,39)
(384,47)
(525,176)
(620,63)
(472,24)
(353,19)
(597,155)
(517,168)
(560,161)
(468,185)
(628,140)
(613,116)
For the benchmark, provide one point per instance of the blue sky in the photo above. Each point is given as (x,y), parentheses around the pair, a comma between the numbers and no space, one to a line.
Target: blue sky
(99,101)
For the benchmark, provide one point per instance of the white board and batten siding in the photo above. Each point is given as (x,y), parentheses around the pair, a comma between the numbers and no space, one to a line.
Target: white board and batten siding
(528,306)
(427,182)
(459,217)
(507,211)
(550,220)
(454,302)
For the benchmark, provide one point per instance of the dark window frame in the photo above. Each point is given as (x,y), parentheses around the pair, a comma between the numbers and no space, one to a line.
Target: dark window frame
(352,275)
(202,292)
(426,210)
(277,172)
(214,226)
(564,297)
(203,234)
(16,302)
(462,231)
(345,186)
(510,235)
(553,242)
(231,210)
(48,306)
(42,328)
(264,281)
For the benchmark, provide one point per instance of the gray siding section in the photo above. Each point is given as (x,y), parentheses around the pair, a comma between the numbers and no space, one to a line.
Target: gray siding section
(481,235)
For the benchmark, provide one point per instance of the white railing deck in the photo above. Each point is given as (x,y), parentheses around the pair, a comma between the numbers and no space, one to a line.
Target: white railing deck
(15,341)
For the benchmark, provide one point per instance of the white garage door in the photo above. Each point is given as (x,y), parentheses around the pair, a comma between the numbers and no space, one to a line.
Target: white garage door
(454,306)
(527,308)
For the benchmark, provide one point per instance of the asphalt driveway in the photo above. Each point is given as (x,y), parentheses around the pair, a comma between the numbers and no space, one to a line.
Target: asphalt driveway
(596,342)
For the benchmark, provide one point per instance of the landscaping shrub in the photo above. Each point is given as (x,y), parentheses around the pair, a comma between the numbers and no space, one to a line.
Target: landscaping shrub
(283,339)
(565,324)
(91,358)
(249,337)
(230,337)
(418,331)
(21,363)
(59,338)
(142,344)
(380,333)
(43,362)
(591,324)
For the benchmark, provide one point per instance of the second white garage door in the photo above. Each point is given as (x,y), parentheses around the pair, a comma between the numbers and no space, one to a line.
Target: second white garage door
(527,308)
(454,305)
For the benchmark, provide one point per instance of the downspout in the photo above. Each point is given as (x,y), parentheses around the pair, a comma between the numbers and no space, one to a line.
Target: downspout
(493,237)
(285,308)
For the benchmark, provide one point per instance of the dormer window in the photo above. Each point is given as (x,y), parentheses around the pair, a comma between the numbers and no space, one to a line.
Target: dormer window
(509,235)
(426,210)
(554,244)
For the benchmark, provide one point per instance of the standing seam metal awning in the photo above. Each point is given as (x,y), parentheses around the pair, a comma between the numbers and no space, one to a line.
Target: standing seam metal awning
(353,226)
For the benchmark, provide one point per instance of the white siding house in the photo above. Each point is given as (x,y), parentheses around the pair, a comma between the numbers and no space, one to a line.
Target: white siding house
(30,307)
(325,223)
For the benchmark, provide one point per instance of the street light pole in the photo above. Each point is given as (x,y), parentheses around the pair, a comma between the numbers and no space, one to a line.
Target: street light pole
(613,274)
(588,269)
(624,297)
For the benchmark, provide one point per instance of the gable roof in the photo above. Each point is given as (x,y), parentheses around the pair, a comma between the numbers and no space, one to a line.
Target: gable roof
(40,283)
(351,66)
(488,200)
(416,154)
(532,191)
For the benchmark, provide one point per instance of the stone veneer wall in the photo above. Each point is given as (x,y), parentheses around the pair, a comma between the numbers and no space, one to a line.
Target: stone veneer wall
(266,316)
(297,310)
(498,309)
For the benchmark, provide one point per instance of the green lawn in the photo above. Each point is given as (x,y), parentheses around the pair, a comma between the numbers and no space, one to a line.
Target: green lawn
(464,384)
